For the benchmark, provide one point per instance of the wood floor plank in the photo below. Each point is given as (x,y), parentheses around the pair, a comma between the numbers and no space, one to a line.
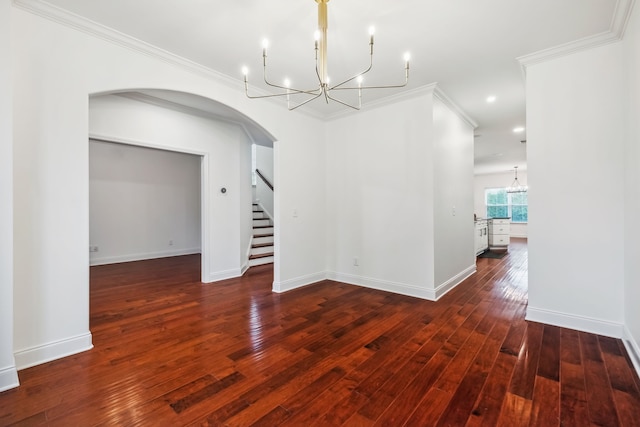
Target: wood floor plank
(524,374)
(573,396)
(169,350)
(598,388)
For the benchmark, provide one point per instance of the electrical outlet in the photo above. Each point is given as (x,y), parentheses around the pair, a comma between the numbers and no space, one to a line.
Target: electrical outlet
(93,249)
(170,242)
(355,262)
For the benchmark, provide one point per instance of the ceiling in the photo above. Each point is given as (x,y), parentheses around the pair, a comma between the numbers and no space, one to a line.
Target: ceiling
(469,47)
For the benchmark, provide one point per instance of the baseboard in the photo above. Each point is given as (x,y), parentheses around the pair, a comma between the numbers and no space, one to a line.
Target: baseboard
(52,351)
(244,268)
(571,321)
(632,348)
(384,285)
(454,281)
(245,264)
(143,256)
(298,282)
(8,378)
(224,275)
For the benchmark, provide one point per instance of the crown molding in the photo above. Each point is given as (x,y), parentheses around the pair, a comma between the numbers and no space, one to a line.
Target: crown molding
(439,94)
(87,26)
(616,31)
(430,89)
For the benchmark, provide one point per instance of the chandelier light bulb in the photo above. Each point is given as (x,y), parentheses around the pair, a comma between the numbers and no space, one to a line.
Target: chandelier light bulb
(287,83)
(360,79)
(265,43)
(372,30)
(245,71)
(316,35)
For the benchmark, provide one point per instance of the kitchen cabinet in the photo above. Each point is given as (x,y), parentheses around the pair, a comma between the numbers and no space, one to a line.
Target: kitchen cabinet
(482,236)
(499,233)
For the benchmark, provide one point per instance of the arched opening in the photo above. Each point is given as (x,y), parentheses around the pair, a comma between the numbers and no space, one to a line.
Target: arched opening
(166,123)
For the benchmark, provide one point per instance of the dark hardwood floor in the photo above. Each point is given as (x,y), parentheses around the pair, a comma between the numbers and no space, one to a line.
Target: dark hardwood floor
(170,351)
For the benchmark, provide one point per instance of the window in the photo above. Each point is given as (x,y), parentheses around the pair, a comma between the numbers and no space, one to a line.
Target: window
(502,204)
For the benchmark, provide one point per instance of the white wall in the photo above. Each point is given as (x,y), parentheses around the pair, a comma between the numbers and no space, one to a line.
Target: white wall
(576,132)
(264,162)
(632,192)
(55,69)
(245,204)
(8,374)
(143,203)
(454,229)
(382,197)
(497,180)
(380,190)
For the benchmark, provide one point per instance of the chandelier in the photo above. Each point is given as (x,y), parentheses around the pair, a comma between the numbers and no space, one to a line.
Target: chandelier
(516,187)
(324,88)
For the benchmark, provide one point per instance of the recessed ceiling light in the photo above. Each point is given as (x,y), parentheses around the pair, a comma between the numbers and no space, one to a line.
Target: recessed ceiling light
(518,129)
(491,99)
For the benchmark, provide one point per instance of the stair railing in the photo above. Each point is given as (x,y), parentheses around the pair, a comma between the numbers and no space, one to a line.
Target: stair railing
(265,180)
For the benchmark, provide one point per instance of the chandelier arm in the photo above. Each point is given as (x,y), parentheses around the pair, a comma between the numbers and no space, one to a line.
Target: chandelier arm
(343,103)
(275,95)
(406,81)
(354,77)
(291,91)
(305,102)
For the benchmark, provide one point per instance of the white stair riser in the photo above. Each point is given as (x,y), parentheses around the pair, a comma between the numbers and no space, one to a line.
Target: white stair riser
(260,215)
(261,221)
(261,250)
(260,261)
(268,239)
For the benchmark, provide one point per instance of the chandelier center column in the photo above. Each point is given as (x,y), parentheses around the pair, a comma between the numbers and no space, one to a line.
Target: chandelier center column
(322,42)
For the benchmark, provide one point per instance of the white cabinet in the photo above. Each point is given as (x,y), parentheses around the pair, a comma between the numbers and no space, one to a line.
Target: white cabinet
(499,232)
(482,236)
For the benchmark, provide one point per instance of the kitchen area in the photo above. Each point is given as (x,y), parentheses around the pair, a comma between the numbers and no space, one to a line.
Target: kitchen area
(492,235)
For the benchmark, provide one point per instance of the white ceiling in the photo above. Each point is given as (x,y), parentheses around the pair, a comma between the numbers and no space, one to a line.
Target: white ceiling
(469,47)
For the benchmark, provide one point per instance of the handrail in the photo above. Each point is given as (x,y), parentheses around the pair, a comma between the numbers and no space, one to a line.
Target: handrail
(266,181)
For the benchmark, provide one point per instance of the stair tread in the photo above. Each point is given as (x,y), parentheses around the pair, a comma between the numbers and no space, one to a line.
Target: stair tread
(263,235)
(261,245)
(262,226)
(255,256)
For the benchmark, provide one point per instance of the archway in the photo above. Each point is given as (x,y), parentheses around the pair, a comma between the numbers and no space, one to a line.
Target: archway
(187,123)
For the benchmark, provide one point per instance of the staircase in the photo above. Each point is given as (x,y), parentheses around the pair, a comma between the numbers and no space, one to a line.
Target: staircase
(262,243)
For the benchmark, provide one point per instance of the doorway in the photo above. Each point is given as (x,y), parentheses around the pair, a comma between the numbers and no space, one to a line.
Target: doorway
(144,203)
